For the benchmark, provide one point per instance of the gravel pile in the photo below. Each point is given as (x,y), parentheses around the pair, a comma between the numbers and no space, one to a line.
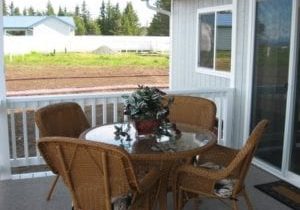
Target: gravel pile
(103,50)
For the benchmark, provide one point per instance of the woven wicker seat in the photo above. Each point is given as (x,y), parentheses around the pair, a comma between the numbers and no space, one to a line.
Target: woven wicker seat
(232,166)
(194,111)
(61,119)
(99,175)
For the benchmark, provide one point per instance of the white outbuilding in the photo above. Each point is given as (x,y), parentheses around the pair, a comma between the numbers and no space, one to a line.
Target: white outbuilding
(38,26)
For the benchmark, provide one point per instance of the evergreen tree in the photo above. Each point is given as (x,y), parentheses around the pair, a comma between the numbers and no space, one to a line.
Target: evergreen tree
(130,21)
(77,11)
(110,19)
(159,25)
(60,12)
(31,11)
(17,11)
(66,12)
(116,21)
(92,28)
(84,12)
(80,26)
(4,8)
(24,11)
(49,9)
(102,19)
(11,8)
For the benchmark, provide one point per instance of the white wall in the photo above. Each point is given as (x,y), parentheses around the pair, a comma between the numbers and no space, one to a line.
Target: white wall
(26,44)
(52,28)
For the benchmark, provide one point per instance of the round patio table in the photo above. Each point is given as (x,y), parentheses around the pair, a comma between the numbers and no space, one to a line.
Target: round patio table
(158,151)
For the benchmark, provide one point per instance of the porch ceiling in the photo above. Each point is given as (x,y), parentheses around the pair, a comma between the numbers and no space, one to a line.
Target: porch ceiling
(30,194)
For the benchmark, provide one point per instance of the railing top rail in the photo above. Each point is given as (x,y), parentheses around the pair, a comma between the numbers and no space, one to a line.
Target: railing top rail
(200,91)
(105,95)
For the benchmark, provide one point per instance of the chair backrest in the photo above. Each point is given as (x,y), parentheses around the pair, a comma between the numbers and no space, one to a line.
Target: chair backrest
(95,173)
(241,163)
(194,111)
(61,119)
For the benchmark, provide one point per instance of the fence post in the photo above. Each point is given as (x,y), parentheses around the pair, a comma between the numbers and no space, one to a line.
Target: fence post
(5,172)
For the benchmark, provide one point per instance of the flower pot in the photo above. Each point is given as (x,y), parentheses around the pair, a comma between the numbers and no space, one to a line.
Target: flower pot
(145,127)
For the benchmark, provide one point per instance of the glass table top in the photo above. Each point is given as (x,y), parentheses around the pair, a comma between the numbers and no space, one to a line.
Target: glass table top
(190,138)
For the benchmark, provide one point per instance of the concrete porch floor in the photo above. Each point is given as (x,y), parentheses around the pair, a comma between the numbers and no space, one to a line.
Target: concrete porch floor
(30,194)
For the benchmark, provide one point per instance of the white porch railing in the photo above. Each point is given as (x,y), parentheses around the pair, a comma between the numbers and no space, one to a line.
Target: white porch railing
(101,108)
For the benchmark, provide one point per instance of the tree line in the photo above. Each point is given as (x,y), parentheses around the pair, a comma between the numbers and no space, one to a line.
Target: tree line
(110,21)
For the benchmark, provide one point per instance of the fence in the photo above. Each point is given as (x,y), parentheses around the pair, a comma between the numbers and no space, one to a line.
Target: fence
(26,44)
(101,108)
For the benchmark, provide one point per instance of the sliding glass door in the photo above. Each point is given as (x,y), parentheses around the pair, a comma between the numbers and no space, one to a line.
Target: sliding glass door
(270,75)
(294,152)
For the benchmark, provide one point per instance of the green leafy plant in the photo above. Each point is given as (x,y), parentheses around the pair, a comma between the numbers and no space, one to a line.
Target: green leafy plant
(147,103)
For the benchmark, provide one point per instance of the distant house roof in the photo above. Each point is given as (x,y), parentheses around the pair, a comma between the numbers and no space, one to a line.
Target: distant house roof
(31,21)
(224,20)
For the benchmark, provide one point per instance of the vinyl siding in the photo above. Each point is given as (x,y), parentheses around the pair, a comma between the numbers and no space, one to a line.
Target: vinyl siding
(183,70)
(184,32)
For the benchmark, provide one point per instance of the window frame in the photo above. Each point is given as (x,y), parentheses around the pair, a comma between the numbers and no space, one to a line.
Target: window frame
(213,71)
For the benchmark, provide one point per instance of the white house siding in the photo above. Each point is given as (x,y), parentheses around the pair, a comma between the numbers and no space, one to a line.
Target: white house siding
(184,23)
(183,75)
(52,27)
(242,65)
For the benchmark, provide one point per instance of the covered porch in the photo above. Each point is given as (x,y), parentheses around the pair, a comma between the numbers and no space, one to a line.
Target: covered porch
(22,189)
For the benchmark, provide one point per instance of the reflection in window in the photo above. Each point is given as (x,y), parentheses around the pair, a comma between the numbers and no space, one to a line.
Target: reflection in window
(215,34)
(207,27)
(223,45)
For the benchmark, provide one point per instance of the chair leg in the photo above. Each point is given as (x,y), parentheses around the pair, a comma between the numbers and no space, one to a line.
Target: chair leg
(234,204)
(175,197)
(52,187)
(250,207)
(179,201)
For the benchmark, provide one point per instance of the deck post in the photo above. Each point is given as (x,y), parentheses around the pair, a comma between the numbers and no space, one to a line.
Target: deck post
(5,171)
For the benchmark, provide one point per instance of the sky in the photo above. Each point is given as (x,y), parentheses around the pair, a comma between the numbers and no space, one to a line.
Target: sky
(145,14)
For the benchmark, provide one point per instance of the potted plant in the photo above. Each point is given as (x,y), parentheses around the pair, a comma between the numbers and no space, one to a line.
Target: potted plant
(147,107)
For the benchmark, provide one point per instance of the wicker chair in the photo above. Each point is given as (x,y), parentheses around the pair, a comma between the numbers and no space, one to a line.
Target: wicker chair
(223,177)
(99,176)
(194,111)
(62,119)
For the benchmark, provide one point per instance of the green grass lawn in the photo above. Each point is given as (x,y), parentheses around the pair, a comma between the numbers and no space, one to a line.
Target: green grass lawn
(90,60)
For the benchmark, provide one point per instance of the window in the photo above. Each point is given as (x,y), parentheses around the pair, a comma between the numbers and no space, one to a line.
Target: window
(214,40)
(19,32)
(16,33)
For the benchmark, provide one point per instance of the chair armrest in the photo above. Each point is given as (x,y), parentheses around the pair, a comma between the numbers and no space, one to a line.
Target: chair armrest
(203,172)
(149,180)
(219,155)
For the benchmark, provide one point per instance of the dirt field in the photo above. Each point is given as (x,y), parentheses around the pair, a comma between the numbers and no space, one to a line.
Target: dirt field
(22,80)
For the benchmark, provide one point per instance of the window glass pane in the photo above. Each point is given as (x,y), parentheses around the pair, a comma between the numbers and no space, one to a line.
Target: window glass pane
(223,41)
(16,33)
(206,40)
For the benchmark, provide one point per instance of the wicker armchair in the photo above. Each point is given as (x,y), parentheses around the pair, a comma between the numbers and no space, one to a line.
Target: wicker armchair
(62,119)
(220,173)
(193,111)
(99,176)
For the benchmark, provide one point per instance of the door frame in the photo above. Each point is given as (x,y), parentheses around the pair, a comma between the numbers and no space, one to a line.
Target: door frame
(284,172)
